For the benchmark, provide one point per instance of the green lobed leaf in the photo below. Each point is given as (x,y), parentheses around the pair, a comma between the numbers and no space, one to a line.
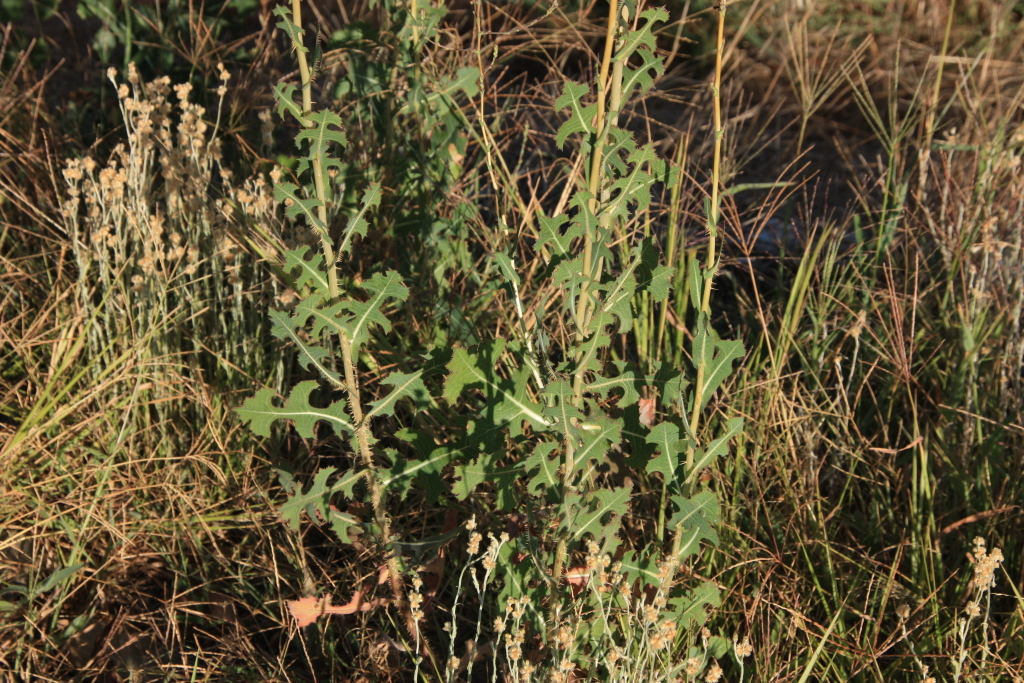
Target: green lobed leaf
(288,328)
(426,471)
(599,517)
(310,271)
(592,345)
(358,225)
(260,412)
(619,144)
(695,516)
(551,234)
(285,96)
(446,91)
(643,37)
(581,117)
(315,500)
(560,412)
(507,402)
(319,138)
(487,468)
(366,314)
(643,566)
(718,447)
(598,435)
(641,77)
(664,436)
(689,611)
(715,356)
(696,284)
(584,217)
(285,192)
(629,380)
(288,26)
(352,318)
(405,386)
(618,300)
(650,275)
(508,269)
(546,479)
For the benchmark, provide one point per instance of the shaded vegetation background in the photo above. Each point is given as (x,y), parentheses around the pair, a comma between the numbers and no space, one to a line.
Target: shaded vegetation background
(874,270)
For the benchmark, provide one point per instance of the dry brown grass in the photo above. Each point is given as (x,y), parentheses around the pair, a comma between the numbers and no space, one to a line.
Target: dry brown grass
(882,392)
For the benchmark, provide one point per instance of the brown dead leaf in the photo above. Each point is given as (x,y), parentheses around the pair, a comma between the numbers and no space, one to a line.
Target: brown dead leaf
(308,610)
(577,578)
(647,408)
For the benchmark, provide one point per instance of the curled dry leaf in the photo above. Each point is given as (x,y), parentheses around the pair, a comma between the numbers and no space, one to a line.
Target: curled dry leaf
(577,578)
(308,610)
(647,406)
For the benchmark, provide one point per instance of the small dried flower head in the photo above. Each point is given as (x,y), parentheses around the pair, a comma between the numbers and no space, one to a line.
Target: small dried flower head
(182,90)
(515,653)
(72,174)
(985,565)
(693,666)
(714,674)
(122,91)
(520,607)
(650,613)
(566,665)
(112,73)
(563,637)
(417,583)
(447,627)
(453,663)
(903,612)
(658,642)
(744,649)
(973,610)
(471,522)
(474,543)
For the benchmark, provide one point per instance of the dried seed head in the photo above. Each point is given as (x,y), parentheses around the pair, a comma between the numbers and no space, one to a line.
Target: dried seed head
(714,674)
(693,665)
(474,543)
(744,649)
(903,612)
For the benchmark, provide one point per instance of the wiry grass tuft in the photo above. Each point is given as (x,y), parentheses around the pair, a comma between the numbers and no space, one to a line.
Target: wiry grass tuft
(871,200)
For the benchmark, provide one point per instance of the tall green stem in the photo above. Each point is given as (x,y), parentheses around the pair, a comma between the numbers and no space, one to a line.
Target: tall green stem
(351,384)
(712,263)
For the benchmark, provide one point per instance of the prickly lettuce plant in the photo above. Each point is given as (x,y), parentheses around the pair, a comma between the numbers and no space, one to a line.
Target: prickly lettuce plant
(331,329)
(556,437)
(552,429)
